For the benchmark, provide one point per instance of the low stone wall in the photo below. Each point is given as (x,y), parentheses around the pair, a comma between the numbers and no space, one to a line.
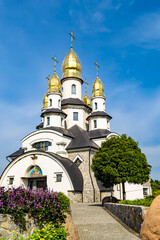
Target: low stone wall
(7,226)
(131,215)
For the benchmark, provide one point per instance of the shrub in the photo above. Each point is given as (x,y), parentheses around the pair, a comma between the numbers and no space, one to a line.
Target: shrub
(49,232)
(143,202)
(42,206)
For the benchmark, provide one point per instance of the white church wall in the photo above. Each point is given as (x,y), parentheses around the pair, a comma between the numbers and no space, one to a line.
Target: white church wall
(55,120)
(100,103)
(99,141)
(67,89)
(101,123)
(49,166)
(81,122)
(55,100)
(45,135)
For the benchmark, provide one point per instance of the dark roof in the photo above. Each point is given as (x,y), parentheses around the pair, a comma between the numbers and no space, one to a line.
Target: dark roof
(99,113)
(17,153)
(98,133)
(39,125)
(74,101)
(53,110)
(64,131)
(81,139)
(73,171)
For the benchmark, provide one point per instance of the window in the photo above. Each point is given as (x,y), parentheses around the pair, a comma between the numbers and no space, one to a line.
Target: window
(11,179)
(145,191)
(61,122)
(59,177)
(75,116)
(73,89)
(50,102)
(95,105)
(35,172)
(42,145)
(95,123)
(78,162)
(48,120)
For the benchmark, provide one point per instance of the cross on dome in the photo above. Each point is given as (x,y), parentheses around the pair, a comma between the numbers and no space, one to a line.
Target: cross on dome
(55,61)
(72,37)
(48,77)
(97,66)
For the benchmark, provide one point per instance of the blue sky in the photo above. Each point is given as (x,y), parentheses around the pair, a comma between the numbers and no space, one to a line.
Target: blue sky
(123,35)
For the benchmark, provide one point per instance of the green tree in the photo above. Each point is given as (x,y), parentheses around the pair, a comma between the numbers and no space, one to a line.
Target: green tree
(119,160)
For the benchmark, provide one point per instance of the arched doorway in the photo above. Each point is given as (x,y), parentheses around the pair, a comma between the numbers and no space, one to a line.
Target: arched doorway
(36,179)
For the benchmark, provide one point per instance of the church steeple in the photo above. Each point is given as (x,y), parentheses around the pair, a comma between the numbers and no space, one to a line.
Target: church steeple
(71,66)
(54,84)
(98,88)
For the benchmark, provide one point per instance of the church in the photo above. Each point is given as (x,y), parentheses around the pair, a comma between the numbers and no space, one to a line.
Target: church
(58,154)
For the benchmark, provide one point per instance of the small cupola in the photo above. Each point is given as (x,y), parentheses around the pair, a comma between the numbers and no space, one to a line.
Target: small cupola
(86,98)
(54,84)
(98,88)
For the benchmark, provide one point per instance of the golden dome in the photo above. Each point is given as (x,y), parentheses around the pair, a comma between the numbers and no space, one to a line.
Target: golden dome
(54,83)
(45,100)
(87,100)
(97,89)
(71,66)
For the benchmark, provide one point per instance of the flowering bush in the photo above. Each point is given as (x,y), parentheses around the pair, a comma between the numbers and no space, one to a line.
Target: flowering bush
(42,206)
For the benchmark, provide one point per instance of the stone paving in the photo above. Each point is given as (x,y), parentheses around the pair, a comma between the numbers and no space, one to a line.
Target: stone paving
(94,223)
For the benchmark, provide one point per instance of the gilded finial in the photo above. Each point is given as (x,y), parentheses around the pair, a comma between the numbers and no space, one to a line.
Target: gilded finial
(86,85)
(72,37)
(48,77)
(55,61)
(97,66)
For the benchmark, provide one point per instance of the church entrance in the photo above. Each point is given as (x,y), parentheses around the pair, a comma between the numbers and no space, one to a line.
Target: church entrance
(37,183)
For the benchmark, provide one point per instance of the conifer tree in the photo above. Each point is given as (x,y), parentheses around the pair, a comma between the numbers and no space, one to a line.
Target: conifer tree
(120,160)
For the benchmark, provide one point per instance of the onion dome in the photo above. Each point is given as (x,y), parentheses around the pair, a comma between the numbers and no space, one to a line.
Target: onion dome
(71,66)
(45,100)
(54,83)
(98,88)
(87,100)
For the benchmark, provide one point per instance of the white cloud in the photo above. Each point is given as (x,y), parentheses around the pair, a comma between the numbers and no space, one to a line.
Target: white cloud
(144,32)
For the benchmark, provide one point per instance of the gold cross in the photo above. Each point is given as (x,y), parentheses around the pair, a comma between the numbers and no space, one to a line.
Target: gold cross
(72,37)
(48,77)
(97,66)
(86,85)
(55,60)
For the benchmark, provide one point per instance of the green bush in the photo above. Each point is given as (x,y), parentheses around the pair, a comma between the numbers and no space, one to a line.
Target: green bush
(43,206)
(143,202)
(49,232)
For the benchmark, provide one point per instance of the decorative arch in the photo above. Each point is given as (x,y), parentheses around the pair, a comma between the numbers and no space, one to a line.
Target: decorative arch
(78,160)
(35,171)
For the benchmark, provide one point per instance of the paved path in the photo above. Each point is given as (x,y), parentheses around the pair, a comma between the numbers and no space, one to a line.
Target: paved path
(94,223)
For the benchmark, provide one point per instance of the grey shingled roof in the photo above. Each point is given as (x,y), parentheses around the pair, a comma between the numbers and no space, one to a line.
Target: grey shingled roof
(53,110)
(74,101)
(73,171)
(99,113)
(17,153)
(39,125)
(64,131)
(98,133)
(81,139)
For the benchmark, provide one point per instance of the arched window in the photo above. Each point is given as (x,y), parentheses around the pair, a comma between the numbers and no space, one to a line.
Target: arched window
(35,172)
(95,123)
(42,145)
(73,89)
(95,105)
(50,102)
